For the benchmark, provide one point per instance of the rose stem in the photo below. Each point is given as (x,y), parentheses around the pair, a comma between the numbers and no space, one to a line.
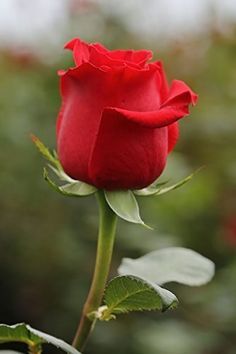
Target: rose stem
(106,236)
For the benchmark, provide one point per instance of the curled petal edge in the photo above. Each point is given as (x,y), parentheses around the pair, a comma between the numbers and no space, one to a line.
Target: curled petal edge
(85,52)
(173,109)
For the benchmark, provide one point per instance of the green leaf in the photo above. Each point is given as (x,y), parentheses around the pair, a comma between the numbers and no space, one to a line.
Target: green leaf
(173,264)
(46,152)
(22,332)
(129,293)
(73,189)
(124,204)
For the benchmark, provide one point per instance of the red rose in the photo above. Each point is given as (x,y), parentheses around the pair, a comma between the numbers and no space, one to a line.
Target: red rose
(118,119)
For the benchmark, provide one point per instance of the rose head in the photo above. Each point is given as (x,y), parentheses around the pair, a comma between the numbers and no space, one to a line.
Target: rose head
(118,118)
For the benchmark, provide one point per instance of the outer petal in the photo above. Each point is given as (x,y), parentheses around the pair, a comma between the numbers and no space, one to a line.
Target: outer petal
(133,90)
(180,94)
(81,52)
(83,98)
(164,86)
(126,155)
(173,135)
(178,101)
(174,108)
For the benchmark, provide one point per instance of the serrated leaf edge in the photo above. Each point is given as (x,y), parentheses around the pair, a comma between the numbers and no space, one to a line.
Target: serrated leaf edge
(109,311)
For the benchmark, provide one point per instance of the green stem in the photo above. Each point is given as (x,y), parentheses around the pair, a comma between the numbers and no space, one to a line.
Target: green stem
(106,236)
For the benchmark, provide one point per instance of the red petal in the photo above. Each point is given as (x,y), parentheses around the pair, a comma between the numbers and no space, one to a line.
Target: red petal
(175,107)
(126,155)
(177,104)
(164,86)
(139,57)
(85,91)
(173,135)
(98,55)
(81,52)
(79,118)
(180,94)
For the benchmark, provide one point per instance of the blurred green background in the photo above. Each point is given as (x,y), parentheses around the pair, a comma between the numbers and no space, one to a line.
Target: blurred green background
(47,242)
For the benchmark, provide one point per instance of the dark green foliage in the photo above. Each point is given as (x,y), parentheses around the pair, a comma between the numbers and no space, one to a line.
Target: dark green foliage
(130,293)
(32,337)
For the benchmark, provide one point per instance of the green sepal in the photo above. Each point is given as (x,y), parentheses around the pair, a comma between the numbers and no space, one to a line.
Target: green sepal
(128,293)
(125,205)
(172,264)
(46,152)
(150,190)
(61,174)
(23,333)
(156,189)
(72,189)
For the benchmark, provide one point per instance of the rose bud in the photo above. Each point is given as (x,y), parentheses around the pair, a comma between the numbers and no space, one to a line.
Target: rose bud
(118,118)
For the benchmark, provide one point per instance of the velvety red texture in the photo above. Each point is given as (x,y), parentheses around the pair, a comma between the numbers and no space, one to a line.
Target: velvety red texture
(118,118)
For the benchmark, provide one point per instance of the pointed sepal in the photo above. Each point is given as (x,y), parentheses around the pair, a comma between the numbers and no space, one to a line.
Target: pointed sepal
(158,189)
(72,188)
(125,205)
